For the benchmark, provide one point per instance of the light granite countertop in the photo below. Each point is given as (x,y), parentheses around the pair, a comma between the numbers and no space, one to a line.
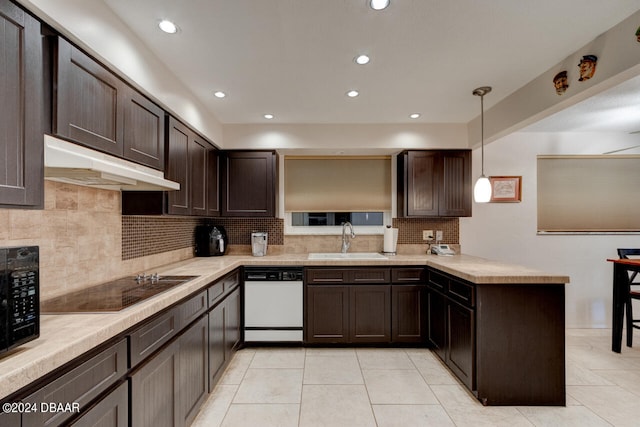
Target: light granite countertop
(63,337)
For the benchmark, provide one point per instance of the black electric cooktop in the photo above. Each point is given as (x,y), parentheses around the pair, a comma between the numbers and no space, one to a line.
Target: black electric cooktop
(112,296)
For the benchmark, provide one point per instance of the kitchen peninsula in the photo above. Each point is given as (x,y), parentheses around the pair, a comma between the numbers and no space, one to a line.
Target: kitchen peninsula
(511,352)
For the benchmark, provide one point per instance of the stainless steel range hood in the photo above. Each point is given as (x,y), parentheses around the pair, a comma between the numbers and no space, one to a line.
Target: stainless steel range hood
(74,164)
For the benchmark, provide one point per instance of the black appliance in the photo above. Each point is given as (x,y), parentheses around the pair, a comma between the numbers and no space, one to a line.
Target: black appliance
(19,296)
(211,240)
(112,296)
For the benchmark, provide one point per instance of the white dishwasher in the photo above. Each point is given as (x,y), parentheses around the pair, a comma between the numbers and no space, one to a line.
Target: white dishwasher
(273,301)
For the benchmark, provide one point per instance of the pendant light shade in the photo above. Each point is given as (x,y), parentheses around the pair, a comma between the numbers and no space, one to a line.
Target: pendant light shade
(482,189)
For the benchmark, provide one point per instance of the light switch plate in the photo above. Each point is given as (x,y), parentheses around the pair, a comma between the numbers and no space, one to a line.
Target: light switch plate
(439,235)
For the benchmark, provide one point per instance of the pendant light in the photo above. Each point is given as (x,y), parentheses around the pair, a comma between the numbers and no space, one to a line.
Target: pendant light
(482,189)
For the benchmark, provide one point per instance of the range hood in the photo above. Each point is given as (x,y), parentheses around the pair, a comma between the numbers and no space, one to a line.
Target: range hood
(74,164)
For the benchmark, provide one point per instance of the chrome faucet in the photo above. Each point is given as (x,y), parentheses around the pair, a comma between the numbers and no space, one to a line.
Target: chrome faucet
(345,240)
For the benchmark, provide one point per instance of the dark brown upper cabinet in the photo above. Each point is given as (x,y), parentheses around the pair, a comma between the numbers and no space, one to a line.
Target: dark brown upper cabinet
(144,128)
(22,110)
(189,163)
(95,108)
(192,162)
(249,183)
(434,183)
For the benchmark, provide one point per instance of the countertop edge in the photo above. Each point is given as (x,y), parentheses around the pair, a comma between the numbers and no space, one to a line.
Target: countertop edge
(65,337)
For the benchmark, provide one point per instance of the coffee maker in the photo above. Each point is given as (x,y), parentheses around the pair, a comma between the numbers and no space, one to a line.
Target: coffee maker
(211,240)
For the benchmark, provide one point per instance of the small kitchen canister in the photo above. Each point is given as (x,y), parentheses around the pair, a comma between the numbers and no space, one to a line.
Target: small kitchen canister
(259,243)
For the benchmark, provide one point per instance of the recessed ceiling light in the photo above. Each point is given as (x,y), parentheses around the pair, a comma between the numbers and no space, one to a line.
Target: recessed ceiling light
(168,26)
(353,93)
(362,59)
(414,115)
(379,4)
(219,94)
(268,116)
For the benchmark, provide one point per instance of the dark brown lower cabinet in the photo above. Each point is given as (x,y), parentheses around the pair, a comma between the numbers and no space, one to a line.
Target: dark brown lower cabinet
(505,342)
(224,335)
(217,353)
(154,390)
(408,313)
(327,314)
(349,314)
(83,384)
(437,322)
(370,313)
(375,305)
(169,388)
(9,418)
(232,322)
(193,368)
(460,343)
(112,411)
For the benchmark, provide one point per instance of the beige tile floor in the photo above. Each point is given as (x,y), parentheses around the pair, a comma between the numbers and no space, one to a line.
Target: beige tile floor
(351,387)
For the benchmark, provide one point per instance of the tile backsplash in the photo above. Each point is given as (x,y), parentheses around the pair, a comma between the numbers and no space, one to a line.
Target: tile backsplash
(84,240)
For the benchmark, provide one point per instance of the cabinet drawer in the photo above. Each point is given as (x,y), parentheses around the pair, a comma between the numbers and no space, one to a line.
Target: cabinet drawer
(408,275)
(231,280)
(461,292)
(319,276)
(214,292)
(192,308)
(438,281)
(150,337)
(369,275)
(80,385)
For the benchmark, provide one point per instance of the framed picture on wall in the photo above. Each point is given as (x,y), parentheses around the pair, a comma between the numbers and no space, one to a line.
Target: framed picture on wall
(506,189)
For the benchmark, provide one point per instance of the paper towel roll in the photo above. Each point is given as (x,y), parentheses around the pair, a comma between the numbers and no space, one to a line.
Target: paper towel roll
(390,240)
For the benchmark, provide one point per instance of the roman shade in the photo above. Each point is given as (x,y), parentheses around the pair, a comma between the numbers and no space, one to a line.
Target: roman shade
(597,193)
(337,184)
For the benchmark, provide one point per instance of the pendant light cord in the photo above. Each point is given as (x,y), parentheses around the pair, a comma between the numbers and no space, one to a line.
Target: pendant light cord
(482,129)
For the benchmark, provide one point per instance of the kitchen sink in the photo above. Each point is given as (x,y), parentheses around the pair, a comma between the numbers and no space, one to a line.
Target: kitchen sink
(348,255)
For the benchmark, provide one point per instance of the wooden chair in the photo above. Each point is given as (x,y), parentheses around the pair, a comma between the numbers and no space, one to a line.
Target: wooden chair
(634,293)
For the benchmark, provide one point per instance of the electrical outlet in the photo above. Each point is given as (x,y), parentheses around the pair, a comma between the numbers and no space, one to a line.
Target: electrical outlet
(427,234)
(439,235)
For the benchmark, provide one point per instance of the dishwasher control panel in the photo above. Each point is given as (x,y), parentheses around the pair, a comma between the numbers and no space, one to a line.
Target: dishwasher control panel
(272,274)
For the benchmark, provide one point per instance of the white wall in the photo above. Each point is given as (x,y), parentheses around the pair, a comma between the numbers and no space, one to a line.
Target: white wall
(507,231)
(332,139)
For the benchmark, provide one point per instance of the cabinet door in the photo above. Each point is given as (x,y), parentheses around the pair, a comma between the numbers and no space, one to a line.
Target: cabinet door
(461,346)
(154,391)
(217,348)
(327,314)
(111,411)
(21,109)
(408,322)
(455,194)
(143,130)
(249,184)
(88,107)
(198,155)
(80,385)
(422,183)
(178,167)
(213,183)
(437,322)
(193,370)
(232,322)
(370,313)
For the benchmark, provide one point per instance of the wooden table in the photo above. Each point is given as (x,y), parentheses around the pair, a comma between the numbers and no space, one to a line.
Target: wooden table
(621,269)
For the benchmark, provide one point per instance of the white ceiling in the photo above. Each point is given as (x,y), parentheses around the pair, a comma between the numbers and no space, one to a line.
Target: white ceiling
(294,58)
